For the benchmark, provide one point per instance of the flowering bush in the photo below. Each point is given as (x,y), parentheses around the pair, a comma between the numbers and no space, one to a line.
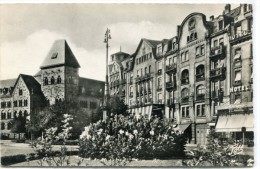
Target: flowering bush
(124,138)
(218,153)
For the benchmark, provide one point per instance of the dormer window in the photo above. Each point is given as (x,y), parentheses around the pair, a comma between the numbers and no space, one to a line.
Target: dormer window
(220,25)
(159,49)
(54,56)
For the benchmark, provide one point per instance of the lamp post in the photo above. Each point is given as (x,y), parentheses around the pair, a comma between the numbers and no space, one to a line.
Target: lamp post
(106,94)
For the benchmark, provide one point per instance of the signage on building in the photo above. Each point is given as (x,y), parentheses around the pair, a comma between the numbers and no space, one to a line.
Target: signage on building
(243,33)
(239,88)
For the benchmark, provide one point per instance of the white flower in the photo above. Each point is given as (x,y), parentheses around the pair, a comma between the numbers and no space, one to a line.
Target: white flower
(107,137)
(135,131)
(151,132)
(126,133)
(121,131)
(131,136)
(98,132)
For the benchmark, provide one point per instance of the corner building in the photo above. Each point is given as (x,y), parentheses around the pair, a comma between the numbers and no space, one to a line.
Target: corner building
(57,80)
(194,78)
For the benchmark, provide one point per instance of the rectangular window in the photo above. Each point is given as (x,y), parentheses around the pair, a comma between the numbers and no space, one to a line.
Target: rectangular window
(159,83)
(238,76)
(197,50)
(203,110)
(186,55)
(202,50)
(183,111)
(215,43)
(220,25)
(170,61)
(159,98)
(221,41)
(20,103)
(182,57)
(20,92)
(198,110)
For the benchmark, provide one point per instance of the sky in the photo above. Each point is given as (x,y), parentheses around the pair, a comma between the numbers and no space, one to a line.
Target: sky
(27,31)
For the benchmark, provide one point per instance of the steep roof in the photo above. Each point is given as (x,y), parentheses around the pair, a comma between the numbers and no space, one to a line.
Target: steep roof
(234,12)
(92,87)
(60,54)
(32,84)
(153,43)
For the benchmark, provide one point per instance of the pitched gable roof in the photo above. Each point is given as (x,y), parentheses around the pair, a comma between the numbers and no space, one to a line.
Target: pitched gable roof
(31,83)
(60,54)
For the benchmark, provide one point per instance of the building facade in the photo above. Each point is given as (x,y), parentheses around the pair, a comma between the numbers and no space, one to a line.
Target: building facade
(201,78)
(58,80)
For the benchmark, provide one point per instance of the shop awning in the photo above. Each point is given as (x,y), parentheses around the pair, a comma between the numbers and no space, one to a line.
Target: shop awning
(234,123)
(182,127)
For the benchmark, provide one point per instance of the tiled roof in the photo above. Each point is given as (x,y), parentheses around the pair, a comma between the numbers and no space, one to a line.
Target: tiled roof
(60,54)
(38,73)
(234,12)
(7,83)
(153,43)
(120,53)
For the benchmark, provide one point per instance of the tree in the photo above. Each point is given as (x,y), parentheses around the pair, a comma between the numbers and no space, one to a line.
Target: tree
(117,106)
(18,124)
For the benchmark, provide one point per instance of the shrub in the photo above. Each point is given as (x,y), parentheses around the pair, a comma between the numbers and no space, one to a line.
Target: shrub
(217,153)
(123,138)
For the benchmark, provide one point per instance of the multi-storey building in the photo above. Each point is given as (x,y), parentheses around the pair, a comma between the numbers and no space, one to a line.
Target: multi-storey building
(58,80)
(194,78)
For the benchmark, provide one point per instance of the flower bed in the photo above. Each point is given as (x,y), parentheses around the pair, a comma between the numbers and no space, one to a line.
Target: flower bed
(129,137)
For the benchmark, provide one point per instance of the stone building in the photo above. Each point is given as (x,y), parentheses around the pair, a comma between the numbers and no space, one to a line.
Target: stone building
(194,78)
(58,80)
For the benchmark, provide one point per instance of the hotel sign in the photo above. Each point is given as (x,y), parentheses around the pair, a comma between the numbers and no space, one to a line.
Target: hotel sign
(238,35)
(239,88)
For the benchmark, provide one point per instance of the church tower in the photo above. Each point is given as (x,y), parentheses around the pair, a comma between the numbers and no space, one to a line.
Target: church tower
(59,73)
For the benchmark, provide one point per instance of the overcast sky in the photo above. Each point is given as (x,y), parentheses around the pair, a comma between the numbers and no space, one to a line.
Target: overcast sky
(28,31)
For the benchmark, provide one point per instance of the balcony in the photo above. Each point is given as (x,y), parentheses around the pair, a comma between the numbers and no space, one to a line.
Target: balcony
(171,68)
(200,77)
(218,73)
(185,99)
(138,78)
(123,81)
(185,81)
(170,86)
(237,83)
(218,51)
(147,76)
(200,97)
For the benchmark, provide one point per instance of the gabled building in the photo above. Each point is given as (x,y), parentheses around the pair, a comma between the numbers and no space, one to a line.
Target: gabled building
(58,80)
(195,78)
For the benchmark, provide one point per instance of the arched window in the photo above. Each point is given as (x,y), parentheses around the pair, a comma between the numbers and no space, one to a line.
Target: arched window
(4,115)
(9,126)
(15,114)
(59,80)
(52,80)
(25,113)
(200,92)
(20,113)
(200,73)
(185,95)
(2,126)
(185,77)
(195,35)
(46,82)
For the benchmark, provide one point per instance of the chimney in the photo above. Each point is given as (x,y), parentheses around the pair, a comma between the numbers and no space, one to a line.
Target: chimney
(227,9)
(178,29)
(211,17)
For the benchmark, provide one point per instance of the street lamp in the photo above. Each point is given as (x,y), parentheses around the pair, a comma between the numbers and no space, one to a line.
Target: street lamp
(106,94)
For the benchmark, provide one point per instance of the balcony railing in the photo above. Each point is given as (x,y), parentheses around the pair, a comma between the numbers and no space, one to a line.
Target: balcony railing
(123,81)
(138,79)
(171,68)
(200,97)
(185,81)
(218,51)
(237,83)
(170,85)
(200,77)
(185,99)
(218,72)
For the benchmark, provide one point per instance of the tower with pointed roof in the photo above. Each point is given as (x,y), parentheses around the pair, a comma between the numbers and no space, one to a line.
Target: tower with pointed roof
(59,73)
